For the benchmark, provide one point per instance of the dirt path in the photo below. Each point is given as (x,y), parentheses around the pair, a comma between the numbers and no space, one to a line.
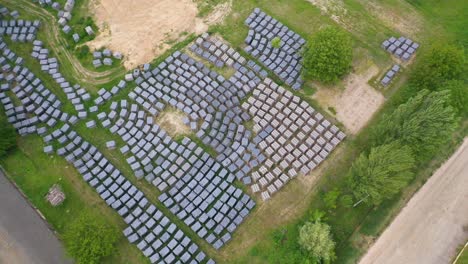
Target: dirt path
(58,44)
(356,104)
(434,222)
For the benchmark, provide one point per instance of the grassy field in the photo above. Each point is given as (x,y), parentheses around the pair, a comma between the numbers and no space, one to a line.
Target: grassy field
(463,259)
(274,240)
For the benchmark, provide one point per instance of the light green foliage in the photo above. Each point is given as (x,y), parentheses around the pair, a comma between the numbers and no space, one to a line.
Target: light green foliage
(7,136)
(90,238)
(346,201)
(424,122)
(276,42)
(328,55)
(458,95)
(316,239)
(441,63)
(330,198)
(381,174)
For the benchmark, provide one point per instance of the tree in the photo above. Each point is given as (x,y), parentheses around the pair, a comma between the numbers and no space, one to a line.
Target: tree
(7,137)
(276,42)
(424,122)
(381,174)
(458,95)
(441,63)
(89,239)
(346,201)
(328,55)
(316,239)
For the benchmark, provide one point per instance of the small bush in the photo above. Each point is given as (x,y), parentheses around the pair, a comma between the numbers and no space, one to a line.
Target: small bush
(276,42)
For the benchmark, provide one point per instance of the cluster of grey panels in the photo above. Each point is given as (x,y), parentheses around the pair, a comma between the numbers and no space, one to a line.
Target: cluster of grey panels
(34,97)
(191,87)
(291,134)
(105,57)
(221,54)
(390,75)
(105,95)
(75,93)
(403,48)
(64,13)
(207,201)
(159,239)
(19,30)
(284,61)
(164,163)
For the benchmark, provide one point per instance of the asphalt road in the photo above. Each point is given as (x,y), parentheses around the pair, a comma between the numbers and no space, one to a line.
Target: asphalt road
(433,224)
(24,236)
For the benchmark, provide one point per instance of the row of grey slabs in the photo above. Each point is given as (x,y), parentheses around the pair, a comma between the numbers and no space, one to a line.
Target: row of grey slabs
(284,61)
(39,112)
(19,30)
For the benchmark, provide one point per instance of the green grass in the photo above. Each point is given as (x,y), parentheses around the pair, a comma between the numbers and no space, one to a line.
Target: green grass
(463,259)
(35,172)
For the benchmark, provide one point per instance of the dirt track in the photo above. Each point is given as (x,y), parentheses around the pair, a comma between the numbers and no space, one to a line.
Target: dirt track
(434,222)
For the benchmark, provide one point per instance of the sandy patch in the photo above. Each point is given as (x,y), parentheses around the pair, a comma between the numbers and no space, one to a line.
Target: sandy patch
(433,224)
(144,29)
(354,105)
(171,120)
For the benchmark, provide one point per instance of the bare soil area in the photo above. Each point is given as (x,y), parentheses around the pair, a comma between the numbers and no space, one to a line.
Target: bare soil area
(434,222)
(171,121)
(144,29)
(356,104)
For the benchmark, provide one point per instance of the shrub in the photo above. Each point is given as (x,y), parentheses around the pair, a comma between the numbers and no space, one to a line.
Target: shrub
(89,239)
(330,198)
(276,42)
(328,55)
(458,95)
(346,201)
(7,136)
(316,239)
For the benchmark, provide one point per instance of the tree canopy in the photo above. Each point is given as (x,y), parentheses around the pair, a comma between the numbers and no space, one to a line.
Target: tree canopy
(7,136)
(458,95)
(381,174)
(89,239)
(328,55)
(441,63)
(316,239)
(424,122)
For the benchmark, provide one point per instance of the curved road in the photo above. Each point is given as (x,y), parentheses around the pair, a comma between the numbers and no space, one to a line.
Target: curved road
(433,224)
(24,236)
(57,43)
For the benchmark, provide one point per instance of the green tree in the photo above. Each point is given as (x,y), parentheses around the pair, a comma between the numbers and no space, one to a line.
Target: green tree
(89,239)
(443,62)
(346,201)
(381,174)
(7,136)
(458,95)
(328,55)
(424,122)
(316,239)
(276,42)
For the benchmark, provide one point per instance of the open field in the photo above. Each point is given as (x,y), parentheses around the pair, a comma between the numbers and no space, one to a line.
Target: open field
(148,29)
(435,220)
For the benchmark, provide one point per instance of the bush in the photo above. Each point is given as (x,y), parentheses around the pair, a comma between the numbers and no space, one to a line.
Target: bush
(328,55)
(7,136)
(276,42)
(83,51)
(330,198)
(346,201)
(89,239)
(316,239)
(381,174)
(441,63)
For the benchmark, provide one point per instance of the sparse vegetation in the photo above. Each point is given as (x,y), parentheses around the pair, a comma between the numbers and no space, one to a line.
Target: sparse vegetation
(276,42)
(7,136)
